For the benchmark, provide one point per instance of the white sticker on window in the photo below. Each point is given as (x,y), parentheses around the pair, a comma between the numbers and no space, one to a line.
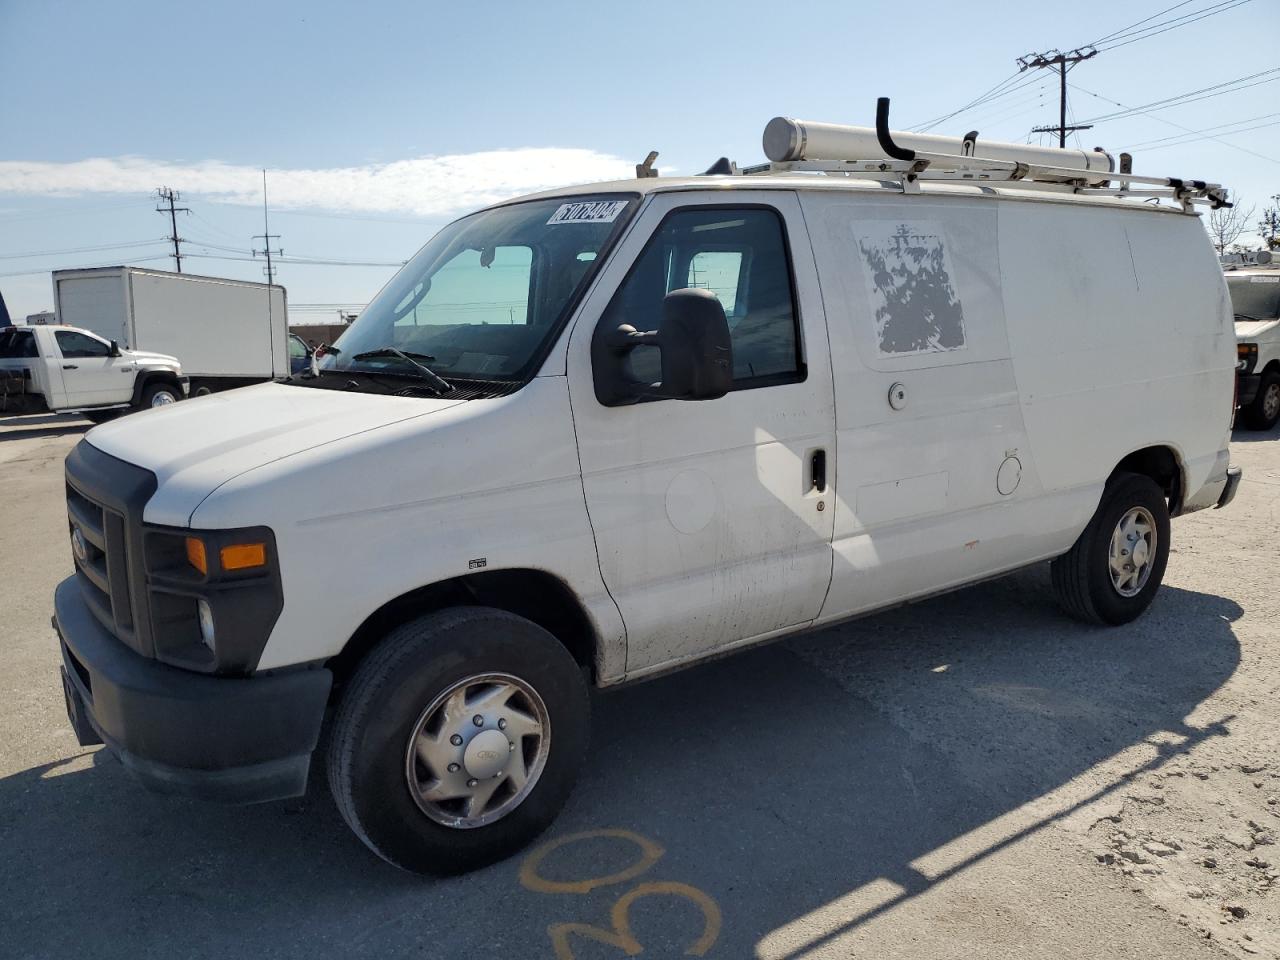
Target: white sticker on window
(588,211)
(1264,279)
(910,279)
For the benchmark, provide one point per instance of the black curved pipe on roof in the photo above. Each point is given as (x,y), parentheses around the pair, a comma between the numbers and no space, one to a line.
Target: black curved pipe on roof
(890,148)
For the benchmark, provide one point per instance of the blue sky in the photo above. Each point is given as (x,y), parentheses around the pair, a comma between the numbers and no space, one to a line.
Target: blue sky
(379,122)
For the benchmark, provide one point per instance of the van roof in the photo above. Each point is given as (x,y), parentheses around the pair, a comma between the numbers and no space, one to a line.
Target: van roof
(841,184)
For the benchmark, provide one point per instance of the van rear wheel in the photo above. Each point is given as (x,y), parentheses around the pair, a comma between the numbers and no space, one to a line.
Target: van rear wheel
(458,739)
(1113,571)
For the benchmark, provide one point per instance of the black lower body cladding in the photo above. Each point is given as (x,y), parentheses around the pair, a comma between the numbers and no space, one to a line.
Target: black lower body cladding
(240,740)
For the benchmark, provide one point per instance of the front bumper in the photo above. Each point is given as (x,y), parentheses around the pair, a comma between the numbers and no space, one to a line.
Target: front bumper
(239,740)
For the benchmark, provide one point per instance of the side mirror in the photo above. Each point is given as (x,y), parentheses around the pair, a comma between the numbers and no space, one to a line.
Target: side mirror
(115,349)
(695,347)
(697,353)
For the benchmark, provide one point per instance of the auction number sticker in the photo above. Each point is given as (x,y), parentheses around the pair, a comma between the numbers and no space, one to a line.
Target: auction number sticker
(1264,279)
(588,211)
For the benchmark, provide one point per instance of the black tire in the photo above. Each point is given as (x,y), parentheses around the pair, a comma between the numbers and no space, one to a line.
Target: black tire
(1082,576)
(1263,412)
(384,701)
(100,416)
(155,389)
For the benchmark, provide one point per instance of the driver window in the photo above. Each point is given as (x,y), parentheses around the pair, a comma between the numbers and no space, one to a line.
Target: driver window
(78,345)
(740,255)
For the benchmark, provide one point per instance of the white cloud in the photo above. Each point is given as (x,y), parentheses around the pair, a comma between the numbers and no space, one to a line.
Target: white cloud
(427,186)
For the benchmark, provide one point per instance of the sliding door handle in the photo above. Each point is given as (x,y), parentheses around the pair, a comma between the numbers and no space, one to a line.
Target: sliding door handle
(818,471)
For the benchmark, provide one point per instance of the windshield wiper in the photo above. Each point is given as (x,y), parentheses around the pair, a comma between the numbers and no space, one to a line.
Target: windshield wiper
(438,382)
(1245,316)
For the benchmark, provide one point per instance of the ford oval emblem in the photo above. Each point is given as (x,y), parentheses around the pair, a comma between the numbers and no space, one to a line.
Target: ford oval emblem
(79,547)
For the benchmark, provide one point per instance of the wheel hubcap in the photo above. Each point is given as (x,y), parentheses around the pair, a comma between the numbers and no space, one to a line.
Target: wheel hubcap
(1271,402)
(477,750)
(1133,551)
(163,399)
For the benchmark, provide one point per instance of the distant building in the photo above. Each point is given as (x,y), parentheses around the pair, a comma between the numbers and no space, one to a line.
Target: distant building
(44,316)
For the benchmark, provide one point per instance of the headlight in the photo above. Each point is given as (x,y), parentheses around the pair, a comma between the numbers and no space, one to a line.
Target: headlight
(1246,356)
(213,597)
(206,622)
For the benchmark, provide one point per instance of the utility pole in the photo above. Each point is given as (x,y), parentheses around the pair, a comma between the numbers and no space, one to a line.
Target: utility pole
(170,196)
(1062,62)
(267,236)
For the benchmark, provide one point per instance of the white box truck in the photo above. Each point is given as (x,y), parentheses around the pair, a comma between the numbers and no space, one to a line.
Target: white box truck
(600,433)
(226,333)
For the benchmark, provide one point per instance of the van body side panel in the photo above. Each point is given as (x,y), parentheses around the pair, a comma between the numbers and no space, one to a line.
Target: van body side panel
(912,292)
(1120,330)
(482,485)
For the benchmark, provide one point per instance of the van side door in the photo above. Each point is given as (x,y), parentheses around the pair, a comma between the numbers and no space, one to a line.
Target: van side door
(938,483)
(712,518)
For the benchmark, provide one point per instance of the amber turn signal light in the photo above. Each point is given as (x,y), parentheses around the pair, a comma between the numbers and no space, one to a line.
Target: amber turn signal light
(196,555)
(244,556)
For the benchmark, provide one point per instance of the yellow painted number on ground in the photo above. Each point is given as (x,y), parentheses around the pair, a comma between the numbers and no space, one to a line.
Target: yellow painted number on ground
(650,853)
(621,936)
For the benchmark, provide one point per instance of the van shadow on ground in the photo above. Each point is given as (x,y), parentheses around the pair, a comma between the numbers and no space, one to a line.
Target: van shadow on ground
(774,786)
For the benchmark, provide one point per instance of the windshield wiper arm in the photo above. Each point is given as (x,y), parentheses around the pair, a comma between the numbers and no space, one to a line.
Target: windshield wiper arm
(1245,316)
(438,382)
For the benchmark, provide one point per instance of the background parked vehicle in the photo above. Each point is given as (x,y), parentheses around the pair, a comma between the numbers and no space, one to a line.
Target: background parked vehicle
(1254,283)
(299,355)
(60,369)
(226,333)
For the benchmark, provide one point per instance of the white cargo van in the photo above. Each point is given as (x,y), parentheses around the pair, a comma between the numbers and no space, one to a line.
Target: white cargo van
(226,333)
(1253,281)
(604,432)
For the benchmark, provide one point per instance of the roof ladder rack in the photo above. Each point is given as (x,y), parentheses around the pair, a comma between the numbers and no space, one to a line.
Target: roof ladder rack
(800,146)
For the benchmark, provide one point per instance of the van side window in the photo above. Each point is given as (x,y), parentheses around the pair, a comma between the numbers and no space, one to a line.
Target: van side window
(740,255)
(74,345)
(17,344)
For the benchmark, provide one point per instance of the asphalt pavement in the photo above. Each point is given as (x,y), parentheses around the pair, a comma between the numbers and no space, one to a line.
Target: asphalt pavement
(943,780)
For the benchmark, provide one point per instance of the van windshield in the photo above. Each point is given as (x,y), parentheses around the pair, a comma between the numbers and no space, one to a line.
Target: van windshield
(1256,297)
(486,296)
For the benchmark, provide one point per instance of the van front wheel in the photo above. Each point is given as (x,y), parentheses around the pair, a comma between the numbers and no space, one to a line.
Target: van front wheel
(458,739)
(1113,571)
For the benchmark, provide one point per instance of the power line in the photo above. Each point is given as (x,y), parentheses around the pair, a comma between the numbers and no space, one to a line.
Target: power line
(1123,30)
(69,250)
(170,196)
(1170,123)
(1174,24)
(85,266)
(1191,96)
(1203,134)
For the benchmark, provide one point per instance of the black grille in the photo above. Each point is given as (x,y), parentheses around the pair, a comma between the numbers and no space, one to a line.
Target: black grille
(105,498)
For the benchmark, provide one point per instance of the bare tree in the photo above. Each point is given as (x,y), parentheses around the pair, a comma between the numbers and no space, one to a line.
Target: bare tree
(1269,225)
(1225,225)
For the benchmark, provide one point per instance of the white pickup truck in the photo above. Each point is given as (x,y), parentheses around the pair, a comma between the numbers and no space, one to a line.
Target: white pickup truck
(60,369)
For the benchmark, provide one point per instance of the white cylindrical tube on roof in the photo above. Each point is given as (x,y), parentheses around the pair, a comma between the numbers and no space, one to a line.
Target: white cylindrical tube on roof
(787,139)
